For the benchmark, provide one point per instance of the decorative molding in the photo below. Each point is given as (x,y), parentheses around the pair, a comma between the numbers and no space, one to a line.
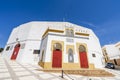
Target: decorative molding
(77,47)
(66,36)
(60,42)
(52,30)
(82,34)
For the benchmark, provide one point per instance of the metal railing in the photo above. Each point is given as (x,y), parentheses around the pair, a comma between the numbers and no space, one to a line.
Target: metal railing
(62,75)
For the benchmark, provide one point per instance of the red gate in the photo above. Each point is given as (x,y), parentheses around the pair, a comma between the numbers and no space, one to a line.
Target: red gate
(83,60)
(15,52)
(57,59)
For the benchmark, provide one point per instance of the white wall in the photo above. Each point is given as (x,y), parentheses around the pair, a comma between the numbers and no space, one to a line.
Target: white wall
(37,30)
(94,47)
(43,47)
(7,54)
(21,32)
(112,51)
(117,45)
(27,55)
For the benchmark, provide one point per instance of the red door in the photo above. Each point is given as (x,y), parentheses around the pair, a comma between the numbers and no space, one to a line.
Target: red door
(83,60)
(15,52)
(57,59)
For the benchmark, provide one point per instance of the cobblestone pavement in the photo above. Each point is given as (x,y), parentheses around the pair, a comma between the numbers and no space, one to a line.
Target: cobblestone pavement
(11,70)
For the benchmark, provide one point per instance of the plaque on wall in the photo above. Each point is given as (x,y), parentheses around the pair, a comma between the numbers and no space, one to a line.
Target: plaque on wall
(69,40)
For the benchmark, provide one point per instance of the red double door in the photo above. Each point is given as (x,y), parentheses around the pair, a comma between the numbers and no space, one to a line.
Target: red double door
(57,59)
(83,60)
(15,52)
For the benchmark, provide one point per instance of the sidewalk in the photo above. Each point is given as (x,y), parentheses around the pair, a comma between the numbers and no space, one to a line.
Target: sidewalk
(11,70)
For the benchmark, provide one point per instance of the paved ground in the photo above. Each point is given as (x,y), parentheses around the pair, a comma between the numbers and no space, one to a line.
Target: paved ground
(11,70)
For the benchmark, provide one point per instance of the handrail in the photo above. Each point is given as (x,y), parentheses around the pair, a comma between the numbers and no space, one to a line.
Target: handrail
(66,75)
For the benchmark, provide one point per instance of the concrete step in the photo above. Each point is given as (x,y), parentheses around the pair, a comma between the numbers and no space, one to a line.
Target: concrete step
(96,73)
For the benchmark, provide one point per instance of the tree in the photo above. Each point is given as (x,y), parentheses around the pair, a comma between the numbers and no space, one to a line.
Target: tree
(1,49)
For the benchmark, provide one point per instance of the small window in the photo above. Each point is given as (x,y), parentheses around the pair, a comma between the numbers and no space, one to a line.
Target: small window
(36,52)
(93,55)
(8,47)
(70,56)
(23,46)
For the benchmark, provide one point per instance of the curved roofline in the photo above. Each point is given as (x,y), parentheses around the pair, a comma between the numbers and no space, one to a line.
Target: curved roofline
(54,22)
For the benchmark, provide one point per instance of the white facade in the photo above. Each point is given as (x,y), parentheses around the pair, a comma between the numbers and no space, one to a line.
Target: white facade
(117,45)
(112,51)
(31,35)
(92,42)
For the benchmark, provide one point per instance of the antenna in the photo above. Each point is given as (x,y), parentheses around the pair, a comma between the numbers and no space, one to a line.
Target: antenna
(64,22)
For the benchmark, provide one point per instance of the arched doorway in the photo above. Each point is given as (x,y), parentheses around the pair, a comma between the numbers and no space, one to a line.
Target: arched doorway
(15,52)
(83,57)
(70,56)
(57,56)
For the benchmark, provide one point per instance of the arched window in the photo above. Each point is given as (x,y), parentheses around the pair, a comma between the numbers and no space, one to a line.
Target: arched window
(57,46)
(70,56)
(82,48)
(17,45)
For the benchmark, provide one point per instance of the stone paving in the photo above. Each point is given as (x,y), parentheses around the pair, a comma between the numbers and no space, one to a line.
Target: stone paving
(11,70)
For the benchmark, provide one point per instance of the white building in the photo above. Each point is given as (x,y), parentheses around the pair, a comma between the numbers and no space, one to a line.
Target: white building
(61,45)
(117,45)
(111,53)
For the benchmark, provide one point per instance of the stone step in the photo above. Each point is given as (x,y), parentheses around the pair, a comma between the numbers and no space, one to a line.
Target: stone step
(96,73)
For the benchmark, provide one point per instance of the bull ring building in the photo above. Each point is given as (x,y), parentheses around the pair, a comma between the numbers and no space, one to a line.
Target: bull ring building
(54,45)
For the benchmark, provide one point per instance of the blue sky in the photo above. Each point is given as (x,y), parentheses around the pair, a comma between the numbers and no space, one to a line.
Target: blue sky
(102,16)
